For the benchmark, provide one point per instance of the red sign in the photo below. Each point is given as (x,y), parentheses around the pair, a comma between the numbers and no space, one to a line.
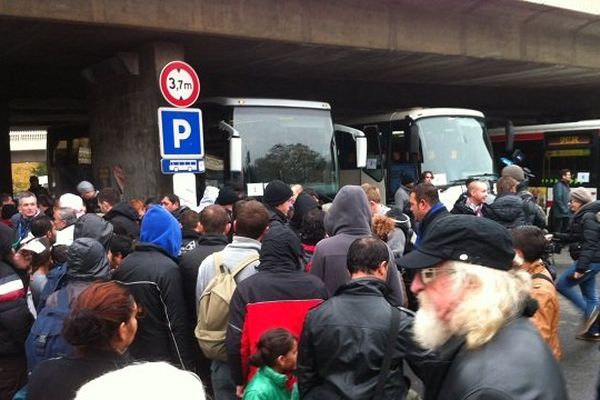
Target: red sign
(179,84)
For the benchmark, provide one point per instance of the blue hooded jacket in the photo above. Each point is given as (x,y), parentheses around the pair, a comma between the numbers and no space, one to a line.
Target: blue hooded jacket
(160,228)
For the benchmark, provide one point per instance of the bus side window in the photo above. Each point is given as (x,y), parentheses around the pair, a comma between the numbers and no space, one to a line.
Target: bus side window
(374,155)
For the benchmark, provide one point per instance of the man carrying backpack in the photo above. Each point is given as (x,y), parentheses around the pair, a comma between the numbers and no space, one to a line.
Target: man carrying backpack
(236,262)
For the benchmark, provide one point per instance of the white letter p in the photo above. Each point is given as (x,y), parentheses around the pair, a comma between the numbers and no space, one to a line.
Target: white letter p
(181,131)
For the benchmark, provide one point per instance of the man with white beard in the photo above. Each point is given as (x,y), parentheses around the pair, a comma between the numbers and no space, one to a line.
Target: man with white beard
(473,311)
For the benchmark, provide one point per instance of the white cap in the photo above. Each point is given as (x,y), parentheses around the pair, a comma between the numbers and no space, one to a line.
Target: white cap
(70,200)
(35,246)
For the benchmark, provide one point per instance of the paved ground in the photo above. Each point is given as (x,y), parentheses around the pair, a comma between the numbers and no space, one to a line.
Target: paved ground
(580,360)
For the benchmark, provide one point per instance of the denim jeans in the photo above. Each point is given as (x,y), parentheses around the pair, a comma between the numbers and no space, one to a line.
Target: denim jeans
(223,385)
(586,299)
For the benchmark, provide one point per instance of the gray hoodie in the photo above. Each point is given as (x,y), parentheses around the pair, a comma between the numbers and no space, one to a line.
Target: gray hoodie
(348,219)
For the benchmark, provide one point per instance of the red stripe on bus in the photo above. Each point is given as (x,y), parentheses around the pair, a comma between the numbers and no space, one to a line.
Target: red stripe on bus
(521,137)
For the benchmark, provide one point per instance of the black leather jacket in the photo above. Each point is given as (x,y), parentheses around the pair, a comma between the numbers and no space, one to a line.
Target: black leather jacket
(153,275)
(344,341)
(515,364)
(584,236)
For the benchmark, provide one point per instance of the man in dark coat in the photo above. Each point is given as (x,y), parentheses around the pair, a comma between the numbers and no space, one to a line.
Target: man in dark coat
(538,215)
(279,200)
(560,204)
(426,207)
(509,209)
(348,219)
(154,278)
(345,339)
(474,311)
(473,202)
(119,213)
(215,225)
(190,230)
(15,320)
(278,296)
(28,210)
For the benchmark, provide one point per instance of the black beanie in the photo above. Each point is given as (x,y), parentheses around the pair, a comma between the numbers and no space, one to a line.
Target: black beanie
(276,193)
(226,196)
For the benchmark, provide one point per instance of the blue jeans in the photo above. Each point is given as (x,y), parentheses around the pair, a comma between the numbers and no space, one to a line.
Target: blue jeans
(223,384)
(588,299)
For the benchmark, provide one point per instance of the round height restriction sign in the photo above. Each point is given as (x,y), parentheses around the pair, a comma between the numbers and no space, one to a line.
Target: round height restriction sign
(179,84)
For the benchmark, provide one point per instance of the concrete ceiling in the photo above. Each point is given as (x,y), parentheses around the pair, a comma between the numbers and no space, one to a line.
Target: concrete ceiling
(44,60)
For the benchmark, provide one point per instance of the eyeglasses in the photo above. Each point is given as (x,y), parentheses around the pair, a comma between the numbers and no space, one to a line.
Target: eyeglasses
(428,275)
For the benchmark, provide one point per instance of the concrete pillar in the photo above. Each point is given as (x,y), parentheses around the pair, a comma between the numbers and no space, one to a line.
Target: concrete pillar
(124,122)
(5,160)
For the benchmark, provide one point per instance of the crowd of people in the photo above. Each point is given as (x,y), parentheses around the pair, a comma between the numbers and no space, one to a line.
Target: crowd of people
(284,297)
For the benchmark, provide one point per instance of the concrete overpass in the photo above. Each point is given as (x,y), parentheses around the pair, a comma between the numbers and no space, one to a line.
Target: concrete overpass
(96,62)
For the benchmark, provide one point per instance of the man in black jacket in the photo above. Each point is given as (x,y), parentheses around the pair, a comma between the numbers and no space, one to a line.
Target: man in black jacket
(474,310)
(426,207)
(152,275)
(215,225)
(120,214)
(15,320)
(509,209)
(345,339)
(279,200)
(473,202)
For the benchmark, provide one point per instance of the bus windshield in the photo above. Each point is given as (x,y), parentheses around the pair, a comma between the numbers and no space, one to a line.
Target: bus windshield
(455,148)
(290,144)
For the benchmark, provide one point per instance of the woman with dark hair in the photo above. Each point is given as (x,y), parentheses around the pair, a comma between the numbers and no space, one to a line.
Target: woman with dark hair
(101,326)
(311,232)
(276,355)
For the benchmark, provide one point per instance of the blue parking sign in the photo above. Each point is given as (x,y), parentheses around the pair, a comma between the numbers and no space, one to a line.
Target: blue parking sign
(180,131)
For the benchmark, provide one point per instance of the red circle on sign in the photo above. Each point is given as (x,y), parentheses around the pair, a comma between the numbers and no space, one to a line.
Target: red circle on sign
(179,84)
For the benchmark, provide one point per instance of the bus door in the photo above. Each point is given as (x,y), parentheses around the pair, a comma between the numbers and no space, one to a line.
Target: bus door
(401,161)
(576,151)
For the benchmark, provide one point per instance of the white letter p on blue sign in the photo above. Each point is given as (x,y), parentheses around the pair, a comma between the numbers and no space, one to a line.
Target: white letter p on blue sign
(181,131)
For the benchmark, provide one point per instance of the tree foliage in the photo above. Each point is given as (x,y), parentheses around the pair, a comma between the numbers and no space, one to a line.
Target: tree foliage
(292,163)
(21,173)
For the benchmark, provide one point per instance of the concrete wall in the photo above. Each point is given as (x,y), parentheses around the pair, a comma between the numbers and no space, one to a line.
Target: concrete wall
(124,124)
(505,29)
(5,167)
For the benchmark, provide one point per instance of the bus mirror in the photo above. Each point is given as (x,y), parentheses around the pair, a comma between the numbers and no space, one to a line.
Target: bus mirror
(235,147)
(235,154)
(414,139)
(509,131)
(361,143)
(361,152)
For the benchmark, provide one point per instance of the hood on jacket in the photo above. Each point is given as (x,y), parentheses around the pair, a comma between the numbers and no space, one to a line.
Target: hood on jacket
(92,226)
(304,203)
(161,228)
(122,208)
(280,249)
(349,212)
(87,260)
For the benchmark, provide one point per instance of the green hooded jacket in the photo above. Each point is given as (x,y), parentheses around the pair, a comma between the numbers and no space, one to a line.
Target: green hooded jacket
(269,384)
